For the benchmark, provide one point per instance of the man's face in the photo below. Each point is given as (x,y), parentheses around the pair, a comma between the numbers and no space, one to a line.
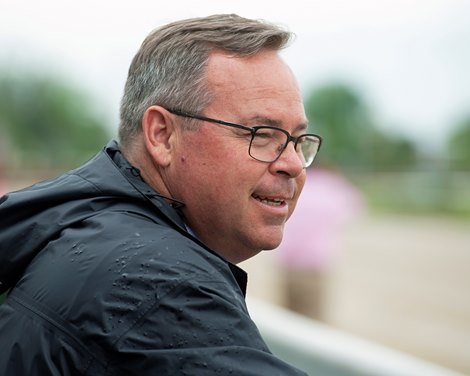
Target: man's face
(235,204)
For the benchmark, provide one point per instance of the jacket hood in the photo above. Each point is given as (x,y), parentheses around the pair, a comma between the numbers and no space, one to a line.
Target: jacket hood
(34,216)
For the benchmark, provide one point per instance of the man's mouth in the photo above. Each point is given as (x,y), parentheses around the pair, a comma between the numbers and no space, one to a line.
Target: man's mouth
(272,201)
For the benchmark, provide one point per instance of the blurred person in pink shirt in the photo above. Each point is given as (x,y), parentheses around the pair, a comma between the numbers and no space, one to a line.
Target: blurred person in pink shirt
(310,244)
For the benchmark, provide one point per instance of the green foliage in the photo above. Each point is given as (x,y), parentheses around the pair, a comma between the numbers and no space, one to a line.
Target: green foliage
(352,140)
(384,165)
(458,145)
(47,123)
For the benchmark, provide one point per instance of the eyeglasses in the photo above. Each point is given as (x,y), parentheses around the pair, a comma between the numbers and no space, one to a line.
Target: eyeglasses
(267,143)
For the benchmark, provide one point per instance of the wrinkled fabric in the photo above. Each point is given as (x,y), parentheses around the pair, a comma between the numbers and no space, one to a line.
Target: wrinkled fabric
(104,279)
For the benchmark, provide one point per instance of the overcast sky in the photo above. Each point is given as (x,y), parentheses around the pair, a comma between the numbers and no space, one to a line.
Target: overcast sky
(409,59)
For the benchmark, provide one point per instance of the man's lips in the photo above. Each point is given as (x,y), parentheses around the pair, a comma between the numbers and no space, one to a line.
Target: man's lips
(272,201)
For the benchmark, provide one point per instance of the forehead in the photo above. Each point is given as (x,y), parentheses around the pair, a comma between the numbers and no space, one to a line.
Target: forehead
(261,85)
(249,72)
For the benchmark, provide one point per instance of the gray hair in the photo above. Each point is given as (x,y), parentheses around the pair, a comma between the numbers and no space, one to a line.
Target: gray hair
(169,67)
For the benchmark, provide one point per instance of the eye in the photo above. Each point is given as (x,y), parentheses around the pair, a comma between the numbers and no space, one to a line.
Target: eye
(302,140)
(265,133)
(265,136)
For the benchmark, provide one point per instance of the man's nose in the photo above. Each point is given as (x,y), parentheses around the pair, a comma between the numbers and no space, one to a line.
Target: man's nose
(290,162)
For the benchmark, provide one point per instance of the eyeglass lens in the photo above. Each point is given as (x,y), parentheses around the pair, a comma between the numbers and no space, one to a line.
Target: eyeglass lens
(267,145)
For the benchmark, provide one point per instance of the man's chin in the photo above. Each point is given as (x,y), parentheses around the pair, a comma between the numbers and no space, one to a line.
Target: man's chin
(273,242)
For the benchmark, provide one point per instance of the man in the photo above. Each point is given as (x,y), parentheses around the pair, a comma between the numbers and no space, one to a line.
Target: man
(126,265)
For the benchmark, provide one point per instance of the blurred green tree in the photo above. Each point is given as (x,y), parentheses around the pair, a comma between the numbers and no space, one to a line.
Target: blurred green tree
(352,140)
(46,123)
(458,145)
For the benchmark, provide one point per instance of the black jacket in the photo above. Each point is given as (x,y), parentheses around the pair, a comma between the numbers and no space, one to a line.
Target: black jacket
(106,280)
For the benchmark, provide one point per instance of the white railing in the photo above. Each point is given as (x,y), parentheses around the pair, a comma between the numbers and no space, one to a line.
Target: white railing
(321,350)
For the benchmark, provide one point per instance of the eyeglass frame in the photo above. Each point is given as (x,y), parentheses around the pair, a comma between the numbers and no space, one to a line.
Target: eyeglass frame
(253,131)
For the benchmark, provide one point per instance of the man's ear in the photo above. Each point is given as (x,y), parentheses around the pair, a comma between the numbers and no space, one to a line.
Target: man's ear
(157,127)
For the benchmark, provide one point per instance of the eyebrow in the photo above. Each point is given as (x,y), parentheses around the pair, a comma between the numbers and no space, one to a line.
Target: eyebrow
(275,123)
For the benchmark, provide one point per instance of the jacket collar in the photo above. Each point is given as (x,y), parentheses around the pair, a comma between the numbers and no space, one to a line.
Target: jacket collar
(168,207)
